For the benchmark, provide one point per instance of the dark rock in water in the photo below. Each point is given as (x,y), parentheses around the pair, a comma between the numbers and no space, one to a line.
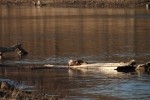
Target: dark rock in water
(126,69)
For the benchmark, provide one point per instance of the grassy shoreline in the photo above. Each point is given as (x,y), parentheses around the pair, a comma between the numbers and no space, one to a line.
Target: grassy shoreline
(80,3)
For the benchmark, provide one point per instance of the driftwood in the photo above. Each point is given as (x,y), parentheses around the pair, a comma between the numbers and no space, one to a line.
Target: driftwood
(21,52)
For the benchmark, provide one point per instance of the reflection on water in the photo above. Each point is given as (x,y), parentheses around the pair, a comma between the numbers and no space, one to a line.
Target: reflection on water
(110,34)
(55,35)
(83,84)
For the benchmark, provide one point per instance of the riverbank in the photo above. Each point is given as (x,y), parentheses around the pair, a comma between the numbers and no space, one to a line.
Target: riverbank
(79,3)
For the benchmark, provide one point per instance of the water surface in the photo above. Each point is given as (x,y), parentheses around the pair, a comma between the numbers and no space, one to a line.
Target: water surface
(55,35)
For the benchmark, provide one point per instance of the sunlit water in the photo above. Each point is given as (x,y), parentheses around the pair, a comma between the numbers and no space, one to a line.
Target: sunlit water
(55,35)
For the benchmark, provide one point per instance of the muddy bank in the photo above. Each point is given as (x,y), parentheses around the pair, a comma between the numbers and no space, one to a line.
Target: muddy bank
(78,3)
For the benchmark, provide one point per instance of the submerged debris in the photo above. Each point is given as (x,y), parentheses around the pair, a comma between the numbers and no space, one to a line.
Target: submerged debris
(22,52)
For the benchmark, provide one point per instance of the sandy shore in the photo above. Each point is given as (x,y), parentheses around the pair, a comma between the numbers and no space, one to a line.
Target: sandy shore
(79,3)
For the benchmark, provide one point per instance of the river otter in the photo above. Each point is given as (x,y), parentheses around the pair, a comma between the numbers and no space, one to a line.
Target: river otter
(145,67)
(76,62)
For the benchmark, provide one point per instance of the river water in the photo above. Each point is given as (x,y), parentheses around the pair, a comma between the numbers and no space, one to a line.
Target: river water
(96,35)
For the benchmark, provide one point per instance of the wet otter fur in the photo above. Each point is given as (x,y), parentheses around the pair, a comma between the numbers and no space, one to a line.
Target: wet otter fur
(76,62)
(145,67)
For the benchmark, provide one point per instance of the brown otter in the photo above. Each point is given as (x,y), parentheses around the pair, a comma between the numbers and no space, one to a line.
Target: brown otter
(76,62)
(145,67)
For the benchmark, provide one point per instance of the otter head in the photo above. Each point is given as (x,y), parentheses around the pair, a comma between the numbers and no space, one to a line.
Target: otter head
(76,62)
(72,62)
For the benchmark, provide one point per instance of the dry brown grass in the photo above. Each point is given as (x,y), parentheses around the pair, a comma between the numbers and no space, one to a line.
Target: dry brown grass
(80,3)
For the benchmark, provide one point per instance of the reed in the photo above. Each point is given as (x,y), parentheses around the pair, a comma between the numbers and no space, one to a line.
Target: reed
(9,92)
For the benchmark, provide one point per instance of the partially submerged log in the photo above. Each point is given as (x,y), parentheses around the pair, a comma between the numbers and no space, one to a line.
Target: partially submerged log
(22,52)
(80,64)
(130,66)
(9,49)
(121,66)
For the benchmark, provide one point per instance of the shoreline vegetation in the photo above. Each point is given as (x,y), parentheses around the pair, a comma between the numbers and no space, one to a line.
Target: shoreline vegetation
(9,91)
(79,3)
